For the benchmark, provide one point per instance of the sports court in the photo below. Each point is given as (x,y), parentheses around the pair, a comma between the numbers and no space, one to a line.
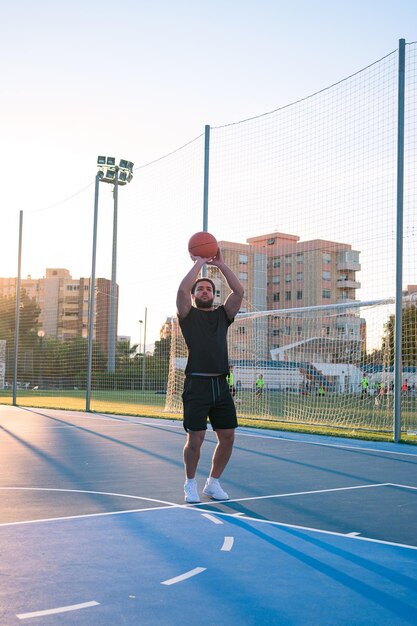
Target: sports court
(94,530)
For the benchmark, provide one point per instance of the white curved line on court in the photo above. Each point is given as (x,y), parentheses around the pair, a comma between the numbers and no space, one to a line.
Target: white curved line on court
(213,519)
(60,609)
(227,544)
(181,577)
(163,503)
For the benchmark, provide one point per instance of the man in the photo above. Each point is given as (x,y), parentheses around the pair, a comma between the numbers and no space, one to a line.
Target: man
(206,391)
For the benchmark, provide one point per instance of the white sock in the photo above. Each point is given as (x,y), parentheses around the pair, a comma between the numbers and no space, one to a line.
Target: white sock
(190,480)
(212,480)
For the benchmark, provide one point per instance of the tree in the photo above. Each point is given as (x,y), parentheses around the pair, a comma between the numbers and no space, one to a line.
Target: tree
(409,338)
(163,349)
(28,326)
(28,322)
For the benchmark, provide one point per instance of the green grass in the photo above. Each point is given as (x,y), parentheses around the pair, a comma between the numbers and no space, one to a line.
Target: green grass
(338,416)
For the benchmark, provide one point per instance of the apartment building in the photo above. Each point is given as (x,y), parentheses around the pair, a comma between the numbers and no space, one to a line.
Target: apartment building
(64,303)
(281,272)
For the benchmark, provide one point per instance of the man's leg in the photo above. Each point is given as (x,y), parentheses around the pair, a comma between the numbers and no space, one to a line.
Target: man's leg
(191,453)
(222,451)
(221,456)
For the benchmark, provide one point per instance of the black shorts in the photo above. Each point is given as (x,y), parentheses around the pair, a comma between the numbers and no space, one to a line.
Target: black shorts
(208,397)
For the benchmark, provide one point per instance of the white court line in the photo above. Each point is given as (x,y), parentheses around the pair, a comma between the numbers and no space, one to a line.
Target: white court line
(402,486)
(281,439)
(227,544)
(239,515)
(332,533)
(60,609)
(303,493)
(213,519)
(181,577)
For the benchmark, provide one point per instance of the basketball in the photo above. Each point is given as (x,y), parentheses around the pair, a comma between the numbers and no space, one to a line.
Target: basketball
(203,244)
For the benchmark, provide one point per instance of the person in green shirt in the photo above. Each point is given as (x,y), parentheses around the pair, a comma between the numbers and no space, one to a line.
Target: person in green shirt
(231,381)
(259,384)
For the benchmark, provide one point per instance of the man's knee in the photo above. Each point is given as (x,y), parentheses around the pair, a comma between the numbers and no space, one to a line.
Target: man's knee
(195,439)
(226,436)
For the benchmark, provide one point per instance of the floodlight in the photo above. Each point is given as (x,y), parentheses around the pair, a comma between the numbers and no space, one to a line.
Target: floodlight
(130,165)
(111,161)
(110,174)
(129,177)
(122,176)
(101,160)
(123,164)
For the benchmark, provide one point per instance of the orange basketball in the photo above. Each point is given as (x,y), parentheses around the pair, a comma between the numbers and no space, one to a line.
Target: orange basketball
(203,244)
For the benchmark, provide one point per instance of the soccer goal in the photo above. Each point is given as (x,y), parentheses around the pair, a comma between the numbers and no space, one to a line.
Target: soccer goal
(329,365)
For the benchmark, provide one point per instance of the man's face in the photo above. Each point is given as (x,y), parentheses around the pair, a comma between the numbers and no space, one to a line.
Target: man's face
(203,295)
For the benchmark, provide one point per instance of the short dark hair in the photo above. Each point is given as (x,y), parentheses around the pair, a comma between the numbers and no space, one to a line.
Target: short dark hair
(200,280)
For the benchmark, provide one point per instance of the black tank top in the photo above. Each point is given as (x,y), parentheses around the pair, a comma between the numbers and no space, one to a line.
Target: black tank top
(205,333)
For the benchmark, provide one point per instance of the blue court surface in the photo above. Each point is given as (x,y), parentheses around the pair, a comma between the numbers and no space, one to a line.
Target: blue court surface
(94,530)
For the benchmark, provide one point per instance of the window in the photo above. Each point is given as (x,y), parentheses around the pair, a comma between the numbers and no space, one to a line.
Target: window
(243,275)
(326,294)
(288,259)
(241,330)
(326,275)
(276,262)
(275,332)
(288,295)
(300,277)
(299,295)
(287,278)
(327,258)
(300,258)
(276,297)
(276,280)
(243,258)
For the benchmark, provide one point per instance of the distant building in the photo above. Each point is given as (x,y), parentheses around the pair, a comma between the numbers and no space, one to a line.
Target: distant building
(166,328)
(280,272)
(64,303)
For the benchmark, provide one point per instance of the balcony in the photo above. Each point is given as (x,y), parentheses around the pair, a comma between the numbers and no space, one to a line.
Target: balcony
(345,283)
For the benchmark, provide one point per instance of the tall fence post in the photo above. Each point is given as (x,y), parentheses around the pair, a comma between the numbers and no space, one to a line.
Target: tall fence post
(91,308)
(206,184)
(399,244)
(17,310)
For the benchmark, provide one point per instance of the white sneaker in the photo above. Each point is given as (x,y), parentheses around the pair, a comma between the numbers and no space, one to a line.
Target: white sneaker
(214,490)
(190,492)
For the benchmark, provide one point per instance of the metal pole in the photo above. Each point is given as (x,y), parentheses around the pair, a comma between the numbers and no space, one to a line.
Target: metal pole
(91,308)
(111,363)
(17,311)
(206,184)
(144,351)
(399,244)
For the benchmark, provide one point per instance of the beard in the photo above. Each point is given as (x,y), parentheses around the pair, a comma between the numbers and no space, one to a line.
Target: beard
(204,304)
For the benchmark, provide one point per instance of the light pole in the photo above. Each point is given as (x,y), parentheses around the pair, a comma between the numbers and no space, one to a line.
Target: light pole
(41,335)
(109,172)
(144,351)
(140,337)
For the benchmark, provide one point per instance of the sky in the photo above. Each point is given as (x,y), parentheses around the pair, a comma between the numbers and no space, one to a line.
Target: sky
(139,79)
